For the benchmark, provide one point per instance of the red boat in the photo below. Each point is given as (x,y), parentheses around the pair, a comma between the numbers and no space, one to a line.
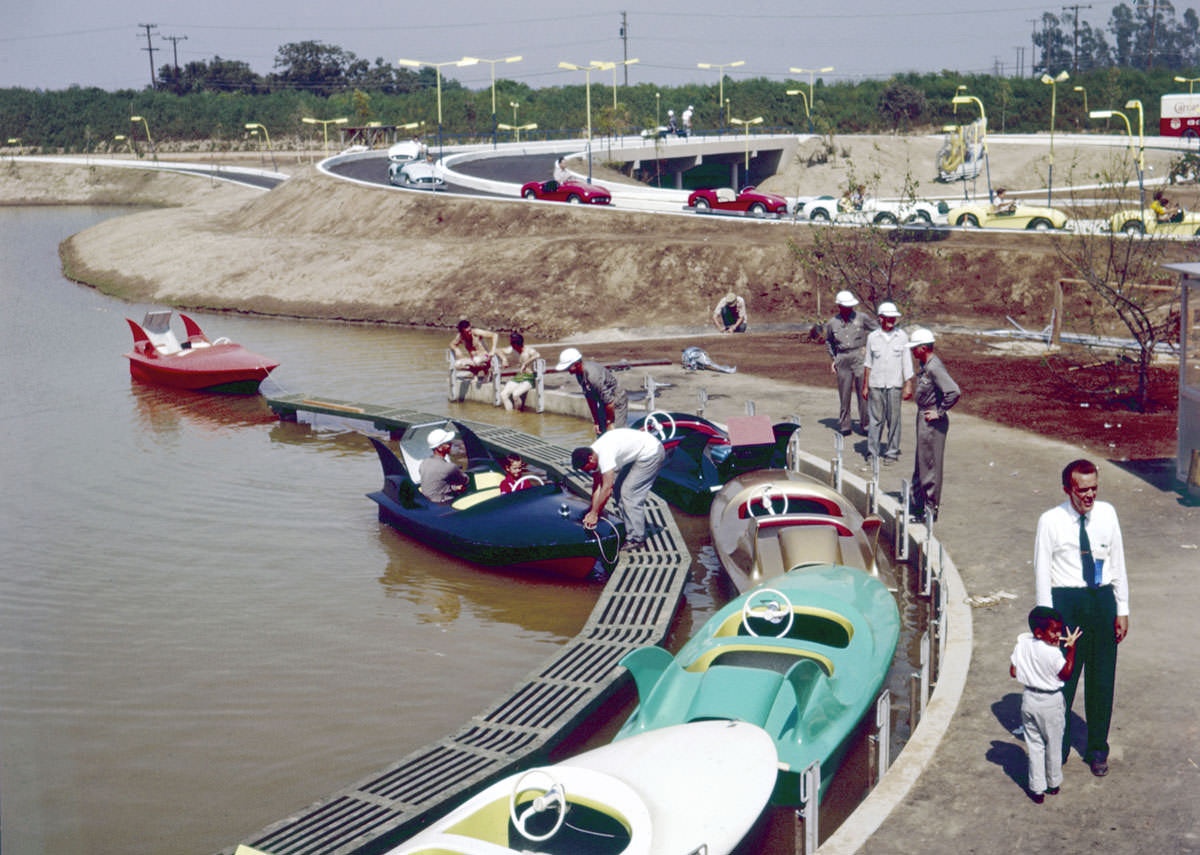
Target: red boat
(197,364)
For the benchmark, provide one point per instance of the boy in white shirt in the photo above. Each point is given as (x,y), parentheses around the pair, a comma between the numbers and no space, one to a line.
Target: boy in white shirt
(1042,667)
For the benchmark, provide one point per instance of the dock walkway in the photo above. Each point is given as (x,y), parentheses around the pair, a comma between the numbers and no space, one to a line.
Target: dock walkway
(634,609)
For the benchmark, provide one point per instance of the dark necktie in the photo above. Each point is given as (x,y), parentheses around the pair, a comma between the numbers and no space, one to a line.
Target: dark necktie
(1085,554)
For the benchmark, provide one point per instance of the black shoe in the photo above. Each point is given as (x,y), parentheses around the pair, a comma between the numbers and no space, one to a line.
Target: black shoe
(633,545)
(1037,798)
(918,518)
(1052,791)
(1099,766)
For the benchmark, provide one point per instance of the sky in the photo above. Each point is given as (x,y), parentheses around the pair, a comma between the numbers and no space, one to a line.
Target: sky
(59,43)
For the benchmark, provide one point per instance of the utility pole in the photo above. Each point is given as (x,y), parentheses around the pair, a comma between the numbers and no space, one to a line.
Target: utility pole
(1075,8)
(175,40)
(1020,49)
(151,49)
(1033,48)
(625,44)
(1153,27)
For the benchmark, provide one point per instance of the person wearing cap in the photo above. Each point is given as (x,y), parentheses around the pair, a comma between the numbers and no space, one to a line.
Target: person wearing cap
(935,393)
(607,401)
(730,314)
(623,464)
(846,339)
(441,479)
(887,376)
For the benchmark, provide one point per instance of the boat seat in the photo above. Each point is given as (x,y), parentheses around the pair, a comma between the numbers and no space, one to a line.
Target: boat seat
(766,649)
(472,499)
(808,544)
(733,692)
(726,194)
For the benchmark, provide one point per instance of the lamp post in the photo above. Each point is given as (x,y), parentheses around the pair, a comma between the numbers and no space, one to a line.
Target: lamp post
(812,73)
(721,66)
(1136,104)
(1189,81)
(1052,82)
(492,63)
(1108,114)
(803,95)
(437,67)
(757,120)
(149,141)
(971,99)
(119,138)
(324,123)
(514,105)
(587,73)
(516,129)
(604,65)
(657,110)
(1084,91)
(958,90)
(254,126)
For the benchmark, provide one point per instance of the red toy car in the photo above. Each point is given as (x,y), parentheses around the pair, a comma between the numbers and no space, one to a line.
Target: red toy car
(747,201)
(575,194)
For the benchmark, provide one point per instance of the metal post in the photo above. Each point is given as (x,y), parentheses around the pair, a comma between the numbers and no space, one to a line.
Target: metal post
(702,397)
(494,370)
(749,408)
(836,464)
(901,545)
(921,684)
(539,369)
(651,389)
(883,734)
(453,372)
(810,800)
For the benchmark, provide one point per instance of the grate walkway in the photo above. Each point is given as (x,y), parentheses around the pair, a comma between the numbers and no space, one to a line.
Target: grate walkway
(635,608)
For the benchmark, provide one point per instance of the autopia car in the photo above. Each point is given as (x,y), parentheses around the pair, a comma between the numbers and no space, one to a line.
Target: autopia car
(419,174)
(982,215)
(873,211)
(747,201)
(1134,221)
(571,192)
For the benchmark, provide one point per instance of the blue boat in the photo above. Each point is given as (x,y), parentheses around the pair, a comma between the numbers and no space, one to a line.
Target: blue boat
(804,659)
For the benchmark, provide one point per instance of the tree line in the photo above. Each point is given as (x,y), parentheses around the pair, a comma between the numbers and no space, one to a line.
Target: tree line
(212,102)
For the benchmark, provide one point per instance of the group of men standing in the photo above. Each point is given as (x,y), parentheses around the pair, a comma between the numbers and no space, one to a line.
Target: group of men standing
(879,364)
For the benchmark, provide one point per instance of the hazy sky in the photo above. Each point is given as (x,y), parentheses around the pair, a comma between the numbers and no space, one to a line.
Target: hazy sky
(58,43)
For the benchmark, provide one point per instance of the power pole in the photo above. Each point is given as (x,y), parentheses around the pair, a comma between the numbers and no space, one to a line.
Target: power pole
(1033,47)
(1153,27)
(625,44)
(1020,49)
(175,40)
(1076,8)
(151,49)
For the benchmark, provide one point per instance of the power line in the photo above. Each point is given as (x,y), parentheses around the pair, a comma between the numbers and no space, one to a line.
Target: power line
(175,40)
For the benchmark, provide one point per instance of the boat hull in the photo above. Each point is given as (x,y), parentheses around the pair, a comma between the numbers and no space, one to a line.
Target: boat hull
(226,368)
(694,788)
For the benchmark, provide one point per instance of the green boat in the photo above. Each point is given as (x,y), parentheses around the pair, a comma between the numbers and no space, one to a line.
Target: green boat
(804,659)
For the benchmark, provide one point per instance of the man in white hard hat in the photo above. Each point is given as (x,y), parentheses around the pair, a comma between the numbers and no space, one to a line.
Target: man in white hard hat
(936,392)
(607,401)
(887,375)
(846,339)
(440,478)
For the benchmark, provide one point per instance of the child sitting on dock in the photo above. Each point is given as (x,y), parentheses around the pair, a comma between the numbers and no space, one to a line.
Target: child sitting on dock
(1042,667)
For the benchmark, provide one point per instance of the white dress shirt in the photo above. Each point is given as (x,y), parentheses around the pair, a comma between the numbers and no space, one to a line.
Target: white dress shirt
(1056,559)
(1037,663)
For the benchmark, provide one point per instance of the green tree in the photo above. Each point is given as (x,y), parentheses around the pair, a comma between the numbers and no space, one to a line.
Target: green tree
(901,105)
(313,66)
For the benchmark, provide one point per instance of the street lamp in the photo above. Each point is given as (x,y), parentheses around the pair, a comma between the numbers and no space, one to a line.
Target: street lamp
(812,73)
(971,99)
(1108,114)
(1084,91)
(657,113)
(492,63)
(1052,82)
(587,72)
(324,123)
(149,141)
(119,138)
(958,90)
(1189,81)
(757,120)
(514,105)
(1136,104)
(254,126)
(604,65)
(803,95)
(437,67)
(721,66)
(516,129)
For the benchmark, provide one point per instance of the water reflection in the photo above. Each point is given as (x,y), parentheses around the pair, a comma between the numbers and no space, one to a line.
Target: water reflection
(167,410)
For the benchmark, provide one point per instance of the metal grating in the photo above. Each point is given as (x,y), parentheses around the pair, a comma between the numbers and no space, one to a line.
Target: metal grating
(634,609)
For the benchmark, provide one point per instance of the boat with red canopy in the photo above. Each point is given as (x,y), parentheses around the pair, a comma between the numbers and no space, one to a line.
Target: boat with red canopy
(159,358)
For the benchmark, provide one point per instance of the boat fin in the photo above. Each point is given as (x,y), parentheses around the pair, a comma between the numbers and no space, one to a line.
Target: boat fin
(139,334)
(692,446)
(194,333)
(477,453)
(646,664)
(388,460)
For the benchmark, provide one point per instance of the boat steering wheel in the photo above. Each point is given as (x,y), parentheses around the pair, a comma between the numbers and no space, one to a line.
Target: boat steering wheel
(653,423)
(770,605)
(534,479)
(766,496)
(554,795)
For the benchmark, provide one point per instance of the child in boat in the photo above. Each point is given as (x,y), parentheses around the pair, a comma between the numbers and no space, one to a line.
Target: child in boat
(514,475)
(1039,663)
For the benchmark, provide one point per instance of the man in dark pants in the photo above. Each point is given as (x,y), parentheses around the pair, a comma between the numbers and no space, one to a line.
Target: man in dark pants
(936,392)
(1079,569)
(608,402)
(846,338)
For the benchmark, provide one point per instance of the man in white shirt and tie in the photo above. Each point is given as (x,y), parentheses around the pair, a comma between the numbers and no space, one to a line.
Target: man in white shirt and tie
(1079,569)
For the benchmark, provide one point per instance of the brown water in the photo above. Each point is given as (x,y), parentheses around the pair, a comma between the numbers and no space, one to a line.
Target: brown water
(203,627)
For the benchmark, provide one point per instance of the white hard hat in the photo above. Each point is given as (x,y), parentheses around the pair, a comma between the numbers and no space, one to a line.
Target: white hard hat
(845,298)
(919,337)
(568,358)
(670,112)
(438,437)
(888,310)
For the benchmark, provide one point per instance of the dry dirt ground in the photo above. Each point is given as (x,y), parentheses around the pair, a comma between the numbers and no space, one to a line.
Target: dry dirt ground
(318,247)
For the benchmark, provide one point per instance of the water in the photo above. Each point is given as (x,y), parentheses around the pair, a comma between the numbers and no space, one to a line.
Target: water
(203,626)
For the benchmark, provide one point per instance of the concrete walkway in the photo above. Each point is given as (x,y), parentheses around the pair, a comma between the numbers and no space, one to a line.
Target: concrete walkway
(971,797)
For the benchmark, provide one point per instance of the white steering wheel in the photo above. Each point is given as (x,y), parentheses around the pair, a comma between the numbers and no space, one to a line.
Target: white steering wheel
(554,795)
(532,478)
(766,496)
(653,423)
(775,608)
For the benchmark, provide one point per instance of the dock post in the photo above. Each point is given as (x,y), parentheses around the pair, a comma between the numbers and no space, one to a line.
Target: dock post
(881,738)
(494,369)
(539,368)
(651,389)
(702,397)
(749,408)
(810,802)
(835,467)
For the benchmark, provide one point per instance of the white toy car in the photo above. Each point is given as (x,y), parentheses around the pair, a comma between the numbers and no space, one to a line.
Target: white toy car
(873,211)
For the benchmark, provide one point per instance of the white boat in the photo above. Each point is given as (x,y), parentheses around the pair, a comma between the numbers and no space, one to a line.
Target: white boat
(689,788)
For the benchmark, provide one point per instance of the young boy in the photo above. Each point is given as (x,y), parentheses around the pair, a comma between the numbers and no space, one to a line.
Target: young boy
(1042,667)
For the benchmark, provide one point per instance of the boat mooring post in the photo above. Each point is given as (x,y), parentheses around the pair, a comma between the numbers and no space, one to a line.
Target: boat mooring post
(919,694)
(901,542)
(881,738)
(749,408)
(539,369)
(810,803)
(702,397)
(835,466)
(494,370)
(651,388)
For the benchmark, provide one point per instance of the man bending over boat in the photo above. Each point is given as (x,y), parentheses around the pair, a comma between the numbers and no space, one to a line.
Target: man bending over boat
(441,479)
(623,463)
